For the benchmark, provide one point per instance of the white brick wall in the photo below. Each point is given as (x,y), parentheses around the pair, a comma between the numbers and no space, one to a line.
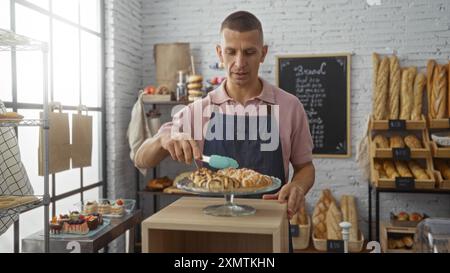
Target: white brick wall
(415,30)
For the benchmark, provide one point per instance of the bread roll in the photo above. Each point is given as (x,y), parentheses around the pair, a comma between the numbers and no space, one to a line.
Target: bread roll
(439,94)
(403,169)
(396,141)
(381,141)
(381,96)
(408,241)
(394,87)
(333,219)
(390,169)
(413,142)
(419,84)
(430,71)
(419,172)
(350,214)
(443,168)
(320,214)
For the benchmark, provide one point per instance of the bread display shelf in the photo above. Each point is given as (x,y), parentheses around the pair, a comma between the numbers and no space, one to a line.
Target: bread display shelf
(438,123)
(353,246)
(418,184)
(439,152)
(395,231)
(410,124)
(415,152)
(302,241)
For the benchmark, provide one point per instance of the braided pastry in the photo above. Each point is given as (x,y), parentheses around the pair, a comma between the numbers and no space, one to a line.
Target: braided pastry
(205,178)
(247,177)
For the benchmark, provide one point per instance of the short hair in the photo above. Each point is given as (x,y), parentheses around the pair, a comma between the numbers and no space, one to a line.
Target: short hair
(242,21)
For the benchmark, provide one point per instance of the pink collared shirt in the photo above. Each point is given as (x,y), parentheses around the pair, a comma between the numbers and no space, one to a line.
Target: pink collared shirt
(295,137)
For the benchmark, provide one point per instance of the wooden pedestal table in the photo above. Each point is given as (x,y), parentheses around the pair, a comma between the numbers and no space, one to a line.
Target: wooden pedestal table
(183,227)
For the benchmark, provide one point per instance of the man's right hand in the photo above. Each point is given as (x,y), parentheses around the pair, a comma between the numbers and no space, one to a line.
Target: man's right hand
(181,147)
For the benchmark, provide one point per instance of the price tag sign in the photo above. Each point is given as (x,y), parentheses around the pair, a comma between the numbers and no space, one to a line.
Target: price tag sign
(335,246)
(397,124)
(404,183)
(401,153)
(295,230)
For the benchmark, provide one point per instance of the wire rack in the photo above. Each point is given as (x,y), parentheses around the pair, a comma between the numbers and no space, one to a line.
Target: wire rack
(23,207)
(9,41)
(23,122)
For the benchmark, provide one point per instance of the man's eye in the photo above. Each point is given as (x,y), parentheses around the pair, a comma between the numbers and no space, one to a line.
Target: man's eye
(230,52)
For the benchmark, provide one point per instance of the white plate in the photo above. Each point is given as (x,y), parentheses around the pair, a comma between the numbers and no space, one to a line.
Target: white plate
(441,138)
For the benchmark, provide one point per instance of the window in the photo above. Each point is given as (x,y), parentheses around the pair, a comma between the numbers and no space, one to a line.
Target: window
(72,28)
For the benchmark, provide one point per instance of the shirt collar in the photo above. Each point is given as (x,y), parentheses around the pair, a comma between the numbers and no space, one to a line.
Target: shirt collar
(220,95)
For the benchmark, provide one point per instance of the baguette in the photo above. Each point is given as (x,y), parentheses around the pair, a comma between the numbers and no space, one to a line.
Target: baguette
(350,214)
(413,142)
(448,87)
(419,172)
(381,141)
(375,66)
(419,84)
(333,218)
(382,90)
(439,95)
(320,214)
(403,169)
(406,96)
(390,169)
(430,71)
(394,87)
(396,141)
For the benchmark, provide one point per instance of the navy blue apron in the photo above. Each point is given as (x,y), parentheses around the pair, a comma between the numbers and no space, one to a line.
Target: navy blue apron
(247,152)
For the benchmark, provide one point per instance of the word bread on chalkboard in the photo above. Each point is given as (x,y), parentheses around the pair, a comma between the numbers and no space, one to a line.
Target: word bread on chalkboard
(322,84)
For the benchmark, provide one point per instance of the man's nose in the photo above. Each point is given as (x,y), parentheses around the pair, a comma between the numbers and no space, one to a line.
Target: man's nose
(240,60)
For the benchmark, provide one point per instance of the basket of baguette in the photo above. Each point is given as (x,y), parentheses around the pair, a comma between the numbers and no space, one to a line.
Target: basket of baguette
(302,225)
(438,84)
(326,219)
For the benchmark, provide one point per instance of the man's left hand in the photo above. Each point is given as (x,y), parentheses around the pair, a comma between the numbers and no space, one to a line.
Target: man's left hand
(291,193)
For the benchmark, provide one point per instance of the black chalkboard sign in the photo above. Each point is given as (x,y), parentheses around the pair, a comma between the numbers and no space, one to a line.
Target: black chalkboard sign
(322,84)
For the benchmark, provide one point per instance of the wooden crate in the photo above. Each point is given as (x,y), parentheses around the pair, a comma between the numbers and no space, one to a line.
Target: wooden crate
(415,153)
(438,123)
(441,182)
(410,124)
(387,231)
(390,183)
(321,244)
(439,152)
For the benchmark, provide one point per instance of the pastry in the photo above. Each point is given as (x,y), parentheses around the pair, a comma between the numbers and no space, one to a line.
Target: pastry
(76,225)
(403,216)
(381,95)
(399,244)
(418,172)
(381,141)
(390,169)
(349,214)
(406,95)
(413,142)
(396,141)
(394,87)
(55,226)
(443,168)
(403,169)
(430,71)
(159,183)
(408,241)
(104,207)
(419,84)
(302,216)
(333,219)
(194,86)
(439,92)
(220,181)
(416,217)
(320,214)
(92,222)
(248,178)
(90,207)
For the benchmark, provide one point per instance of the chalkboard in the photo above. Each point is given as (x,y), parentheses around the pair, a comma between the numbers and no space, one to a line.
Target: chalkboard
(322,84)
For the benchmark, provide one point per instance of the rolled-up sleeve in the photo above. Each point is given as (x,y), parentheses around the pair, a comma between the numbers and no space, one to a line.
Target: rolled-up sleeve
(301,140)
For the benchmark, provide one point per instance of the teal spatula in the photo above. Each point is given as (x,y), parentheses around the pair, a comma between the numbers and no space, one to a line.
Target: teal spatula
(220,162)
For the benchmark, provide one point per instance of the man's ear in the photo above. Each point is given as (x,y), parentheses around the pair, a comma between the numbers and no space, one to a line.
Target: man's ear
(265,49)
(219,53)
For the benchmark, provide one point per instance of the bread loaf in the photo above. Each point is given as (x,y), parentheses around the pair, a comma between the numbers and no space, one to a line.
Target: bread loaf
(390,169)
(439,94)
(403,169)
(320,214)
(406,96)
(379,168)
(443,168)
(333,219)
(419,84)
(375,66)
(350,214)
(381,141)
(396,141)
(413,142)
(419,172)
(302,216)
(394,87)
(430,71)
(381,96)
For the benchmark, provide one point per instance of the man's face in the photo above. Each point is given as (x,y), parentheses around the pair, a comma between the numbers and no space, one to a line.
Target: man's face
(241,53)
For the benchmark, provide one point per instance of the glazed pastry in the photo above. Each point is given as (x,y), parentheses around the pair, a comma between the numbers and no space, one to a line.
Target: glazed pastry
(394,87)
(403,169)
(390,169)
(381,96)
(381,141)
(419,172)
(413,142)
(204,178)
(419,84)
(396,141)
(248,178)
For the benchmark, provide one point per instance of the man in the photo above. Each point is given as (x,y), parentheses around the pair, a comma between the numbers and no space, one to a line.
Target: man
(242,50)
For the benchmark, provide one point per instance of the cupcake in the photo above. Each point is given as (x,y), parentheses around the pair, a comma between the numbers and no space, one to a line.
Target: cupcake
(92,222)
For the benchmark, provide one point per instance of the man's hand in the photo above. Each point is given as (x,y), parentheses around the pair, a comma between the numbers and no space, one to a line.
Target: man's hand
(181,147)
(293,194)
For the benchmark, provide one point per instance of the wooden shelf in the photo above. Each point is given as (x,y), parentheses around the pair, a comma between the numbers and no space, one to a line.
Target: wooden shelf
(410,124)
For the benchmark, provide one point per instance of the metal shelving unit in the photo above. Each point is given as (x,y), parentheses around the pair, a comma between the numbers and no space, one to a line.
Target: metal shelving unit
(10,41)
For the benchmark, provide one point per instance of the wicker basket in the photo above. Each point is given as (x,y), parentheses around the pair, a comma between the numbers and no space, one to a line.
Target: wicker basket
(302,241)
